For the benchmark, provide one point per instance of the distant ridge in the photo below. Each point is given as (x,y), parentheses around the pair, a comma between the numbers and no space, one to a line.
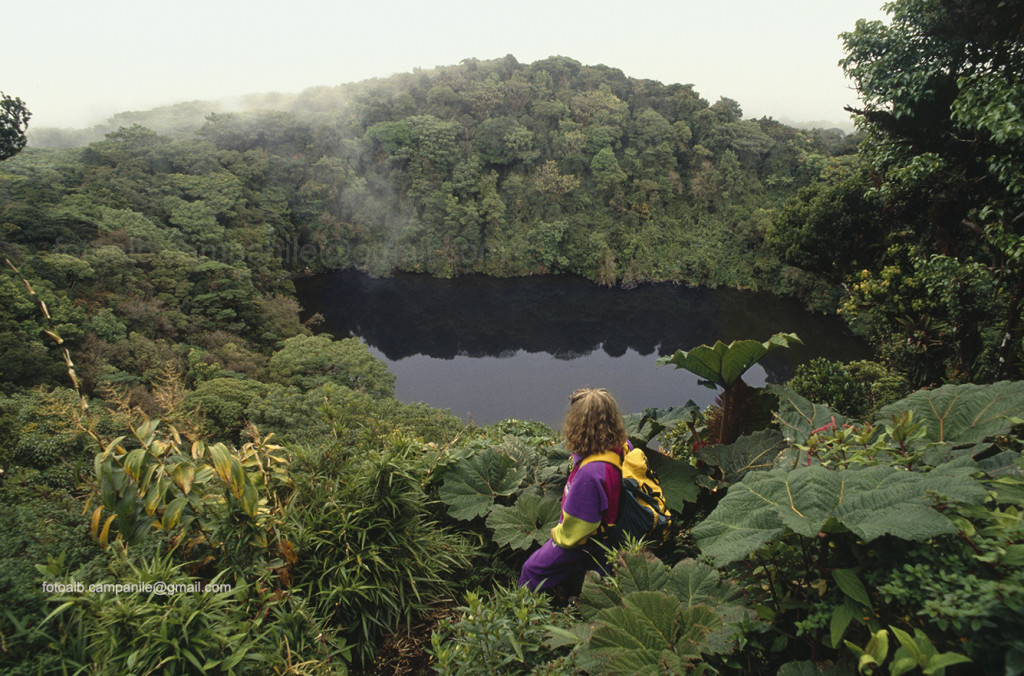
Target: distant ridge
(184,118)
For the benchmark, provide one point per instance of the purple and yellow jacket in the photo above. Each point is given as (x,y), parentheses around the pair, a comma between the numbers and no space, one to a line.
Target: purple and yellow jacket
(590,499)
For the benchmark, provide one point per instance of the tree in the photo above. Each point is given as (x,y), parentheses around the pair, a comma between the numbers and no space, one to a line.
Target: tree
(309,361)
(942,89)
(14,118)
(832,215)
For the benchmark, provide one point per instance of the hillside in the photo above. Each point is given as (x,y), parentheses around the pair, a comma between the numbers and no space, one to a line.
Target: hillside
(507,169)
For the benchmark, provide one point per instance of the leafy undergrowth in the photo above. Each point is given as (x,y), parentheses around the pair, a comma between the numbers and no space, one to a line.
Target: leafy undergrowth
(819,539)
(889,544)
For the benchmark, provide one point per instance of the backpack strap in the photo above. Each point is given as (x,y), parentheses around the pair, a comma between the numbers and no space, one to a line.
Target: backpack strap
(611,457)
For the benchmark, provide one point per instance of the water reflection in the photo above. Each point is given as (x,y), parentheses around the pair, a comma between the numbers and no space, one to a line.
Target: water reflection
(475,340)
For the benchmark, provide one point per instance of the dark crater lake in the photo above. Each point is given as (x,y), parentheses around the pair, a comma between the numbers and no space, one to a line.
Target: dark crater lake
(490,349)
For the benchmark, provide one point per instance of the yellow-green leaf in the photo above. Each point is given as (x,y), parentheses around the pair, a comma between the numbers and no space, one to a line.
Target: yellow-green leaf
(238,478)
(183,476)
(249,499)
(153,498)
(133,463)
(221,461)
(112,445)
(94,525)
(105,533)
(172,513)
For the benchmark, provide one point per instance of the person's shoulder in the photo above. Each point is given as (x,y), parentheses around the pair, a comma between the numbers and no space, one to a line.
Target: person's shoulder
(598,470)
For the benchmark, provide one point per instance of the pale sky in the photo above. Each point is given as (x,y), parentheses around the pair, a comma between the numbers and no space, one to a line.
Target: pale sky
(77,63)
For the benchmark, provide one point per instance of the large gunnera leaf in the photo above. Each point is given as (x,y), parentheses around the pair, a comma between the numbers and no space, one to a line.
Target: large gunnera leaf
(759,450)
(871,502)
(651,633)
(470,488)
(962,414)
(723,364)
(644,426)
(526,523)
(799,417)
(647,616)
(678,479)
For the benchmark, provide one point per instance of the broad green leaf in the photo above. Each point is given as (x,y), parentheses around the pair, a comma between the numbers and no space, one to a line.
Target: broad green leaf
(842,615)
(962,414)
(699,622)
(184,474)
(878,646)
(697,583)
(742,522)
(763,505)
(812,495)
(641,572)
(651,633)
(153,497)
(851,585)
(724,364)
(798,417)
(936,663)
(238,478)
(526,523)
(647,621)
(109,448)
(882,500)
(249,498)
(649,423)
(145,431)
(1003,463)
(677,479)
(757,451)
(871,502)
(133,462)
(1014,556)
(597,594)
(694,584)
(902,665)
(470,488)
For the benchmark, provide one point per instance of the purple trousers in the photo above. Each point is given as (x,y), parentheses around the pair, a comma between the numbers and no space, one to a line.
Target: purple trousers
(551,564)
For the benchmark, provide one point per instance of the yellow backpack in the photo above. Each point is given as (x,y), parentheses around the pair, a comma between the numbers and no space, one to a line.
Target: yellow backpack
(642,509)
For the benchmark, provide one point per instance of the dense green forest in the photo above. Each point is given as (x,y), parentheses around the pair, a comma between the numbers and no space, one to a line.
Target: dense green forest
(169,425)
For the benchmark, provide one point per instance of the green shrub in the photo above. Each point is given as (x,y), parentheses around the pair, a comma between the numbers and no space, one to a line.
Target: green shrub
(503,632)
(331,413)
(37,523)
(35,433)
(830,383)
(223,402)
(883,385)
(855,389)
(369,556)
(153,617)
(308,361)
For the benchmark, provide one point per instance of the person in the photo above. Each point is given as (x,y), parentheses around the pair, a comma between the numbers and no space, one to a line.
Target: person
(592,425)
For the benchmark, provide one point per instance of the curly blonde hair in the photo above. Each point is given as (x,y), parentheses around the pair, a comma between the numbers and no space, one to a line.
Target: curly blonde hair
(593,422)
